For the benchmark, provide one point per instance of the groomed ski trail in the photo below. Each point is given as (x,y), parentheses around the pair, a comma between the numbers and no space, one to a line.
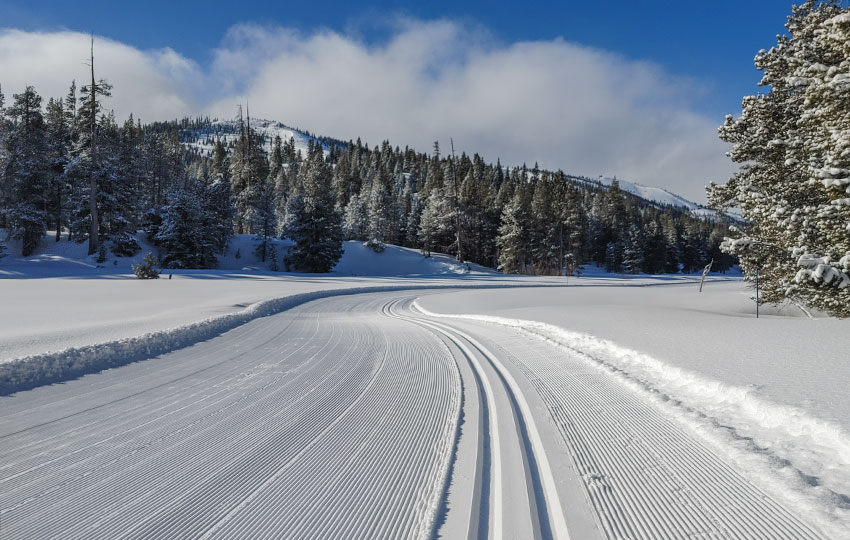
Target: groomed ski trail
(362,417)
(523,497)
(327,421)
(645,475)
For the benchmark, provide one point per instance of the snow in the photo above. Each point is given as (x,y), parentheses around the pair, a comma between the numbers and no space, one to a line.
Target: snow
(356,416)
(94,303)
(683,382)
(771,393)
(359,260)
(659,196)
(228,131)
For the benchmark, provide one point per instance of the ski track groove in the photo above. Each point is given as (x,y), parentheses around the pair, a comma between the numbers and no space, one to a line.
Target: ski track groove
(340,418)
(540,510)
(645,476)
(325,424)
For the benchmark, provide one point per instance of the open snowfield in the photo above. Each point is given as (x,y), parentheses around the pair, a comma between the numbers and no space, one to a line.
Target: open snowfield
(76,302)
(594,407)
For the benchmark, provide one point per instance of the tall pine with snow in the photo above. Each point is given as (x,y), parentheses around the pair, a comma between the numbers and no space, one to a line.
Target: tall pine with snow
(5,187)
(315,227)
(27,170)
(59,147)
(793,142)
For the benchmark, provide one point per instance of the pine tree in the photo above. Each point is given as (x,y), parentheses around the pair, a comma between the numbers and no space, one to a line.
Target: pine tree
(59,147)
(546,230)
(316,228)
(793,186)
(191,233)
(27,170)
(633,251)
(249,168)
(356,218)
(512,238)
(145,269)
(3,204)
(436,225)
(273,266)
(5,185)
(91,106)
(264,219)
(381,208)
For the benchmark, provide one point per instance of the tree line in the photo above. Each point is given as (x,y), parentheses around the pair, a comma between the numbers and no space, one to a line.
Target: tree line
(68,166)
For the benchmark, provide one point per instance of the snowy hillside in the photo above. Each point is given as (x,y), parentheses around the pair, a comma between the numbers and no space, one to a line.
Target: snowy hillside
(203,139)
(656,195)
(55,259)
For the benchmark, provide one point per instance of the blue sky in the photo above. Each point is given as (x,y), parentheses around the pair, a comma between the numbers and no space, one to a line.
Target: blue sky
(634,88)
(713,42)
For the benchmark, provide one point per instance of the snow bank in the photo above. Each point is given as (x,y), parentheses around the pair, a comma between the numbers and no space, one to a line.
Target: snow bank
(806,457)
(28,372)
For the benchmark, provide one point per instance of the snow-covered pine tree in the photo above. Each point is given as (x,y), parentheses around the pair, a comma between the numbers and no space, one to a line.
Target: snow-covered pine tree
(218,207)
(249,168)
(436,225)
(89,110)
(380,209)
(356,217)
(793,142)
(315,228)
(5,191)
(145,269)
(414,220)
(633,250)
(116,199)
(130,173)
(27,170)
(264,219)
(59,147)
(512,238)
(545,238)
(5,186)
(191,233)
(273,266)
(572,224)
(655,248)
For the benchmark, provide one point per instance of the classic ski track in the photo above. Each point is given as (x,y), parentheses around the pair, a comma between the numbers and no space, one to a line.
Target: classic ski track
(337,425)
(646,476)
(522,422)
(340,418)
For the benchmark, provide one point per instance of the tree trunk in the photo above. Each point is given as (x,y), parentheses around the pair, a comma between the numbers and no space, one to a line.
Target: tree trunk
(94,229)
(58,213)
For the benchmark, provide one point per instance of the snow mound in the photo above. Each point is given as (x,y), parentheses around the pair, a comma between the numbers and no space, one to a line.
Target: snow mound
(359,260)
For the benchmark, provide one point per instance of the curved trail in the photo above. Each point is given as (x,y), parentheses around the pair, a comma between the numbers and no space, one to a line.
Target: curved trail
(359,417)
(644,475)
(517,510)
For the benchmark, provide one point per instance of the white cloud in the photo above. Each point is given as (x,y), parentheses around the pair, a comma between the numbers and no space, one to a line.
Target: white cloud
(153,85)
(564,105)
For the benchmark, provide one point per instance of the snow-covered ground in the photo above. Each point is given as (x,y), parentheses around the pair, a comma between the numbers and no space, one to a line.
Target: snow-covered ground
(62,298)
(770,393)
(600,406)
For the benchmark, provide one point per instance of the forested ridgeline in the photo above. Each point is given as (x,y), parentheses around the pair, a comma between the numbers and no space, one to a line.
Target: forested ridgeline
(69,166)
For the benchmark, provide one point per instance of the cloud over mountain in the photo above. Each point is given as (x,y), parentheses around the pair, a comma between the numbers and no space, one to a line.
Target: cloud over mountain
(561,104)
